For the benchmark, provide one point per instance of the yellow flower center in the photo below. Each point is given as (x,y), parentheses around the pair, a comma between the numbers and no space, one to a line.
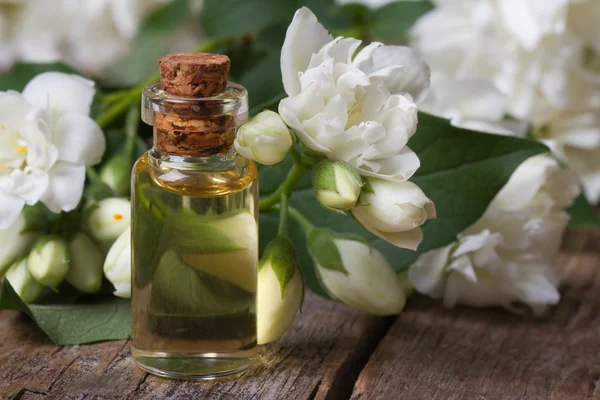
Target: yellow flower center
(21,149)
(118,217)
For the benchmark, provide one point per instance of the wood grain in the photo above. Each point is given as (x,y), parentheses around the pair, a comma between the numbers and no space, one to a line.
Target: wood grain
(317,359)
(431,353)
(427,353)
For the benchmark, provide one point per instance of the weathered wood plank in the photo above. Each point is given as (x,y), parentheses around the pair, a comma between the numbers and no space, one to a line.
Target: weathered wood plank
(315,359)
(432,353)
(327,346)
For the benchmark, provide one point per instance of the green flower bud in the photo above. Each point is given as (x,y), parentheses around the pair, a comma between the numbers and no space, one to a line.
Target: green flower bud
(265,139)
(337,184)
(23,282)
(280,290)
(117,266)
(14,243)
(108,219)
(49,261)
(394,211)
(355,273)
(116,173)
(85,272)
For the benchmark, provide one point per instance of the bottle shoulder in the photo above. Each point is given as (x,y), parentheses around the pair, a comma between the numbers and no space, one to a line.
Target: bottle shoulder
(207,177)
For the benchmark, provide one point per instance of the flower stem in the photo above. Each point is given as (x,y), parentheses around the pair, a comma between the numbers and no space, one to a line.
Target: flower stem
(92,174)
(113,112)
(286,187)
(132,123)
(296,156)
(306,225)
(283,214)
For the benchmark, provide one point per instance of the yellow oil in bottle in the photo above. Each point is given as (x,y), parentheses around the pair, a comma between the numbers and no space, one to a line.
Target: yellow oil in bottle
(195,255)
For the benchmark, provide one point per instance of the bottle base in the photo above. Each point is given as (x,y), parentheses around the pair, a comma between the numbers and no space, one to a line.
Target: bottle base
(204,366)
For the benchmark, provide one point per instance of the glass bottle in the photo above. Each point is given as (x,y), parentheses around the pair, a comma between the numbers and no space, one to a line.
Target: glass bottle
(194,238)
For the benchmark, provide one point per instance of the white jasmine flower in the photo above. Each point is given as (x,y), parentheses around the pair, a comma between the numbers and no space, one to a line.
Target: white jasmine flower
(337,185)
(394,211)
(117,266)
(356,274)
(265,139)
(108,219)
(14,243)
(46,140)
(358,110)
(49,261)
(85,272)
(538,186)
(475,272)
(280,291)
(23,283)
(90,34)
(474,104)
(526,48)
(507,256)
(575,138)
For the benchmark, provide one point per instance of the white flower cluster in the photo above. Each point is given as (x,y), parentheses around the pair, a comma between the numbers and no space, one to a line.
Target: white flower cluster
(544,56)
(357,112)
(89,34)
(508,256)
(46,141)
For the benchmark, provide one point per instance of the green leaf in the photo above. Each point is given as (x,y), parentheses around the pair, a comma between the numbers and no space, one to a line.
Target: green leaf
(105,318)
(149,45)
(263,82)
(18,76)
(38,218)
(234,17)
(323,249)
(394,20)
(461,171)
(179,290)
(197,234)
(583,213)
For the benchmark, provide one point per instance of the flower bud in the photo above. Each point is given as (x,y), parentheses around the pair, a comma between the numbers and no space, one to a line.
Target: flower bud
(337,185)
(85,272)
(108,219)
(49,261)
(355,273)
(280,290)
(117,266)
(23,283)
(394,211)
(116,173)
(14,243)
(265,139)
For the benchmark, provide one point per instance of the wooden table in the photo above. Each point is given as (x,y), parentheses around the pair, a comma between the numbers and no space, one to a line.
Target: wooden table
(334,352)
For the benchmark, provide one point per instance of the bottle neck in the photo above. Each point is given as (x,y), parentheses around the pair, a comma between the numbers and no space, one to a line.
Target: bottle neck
(198,127)
(209,162)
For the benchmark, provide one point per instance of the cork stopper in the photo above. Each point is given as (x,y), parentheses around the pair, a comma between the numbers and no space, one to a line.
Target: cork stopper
(194,74)
(186,129)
